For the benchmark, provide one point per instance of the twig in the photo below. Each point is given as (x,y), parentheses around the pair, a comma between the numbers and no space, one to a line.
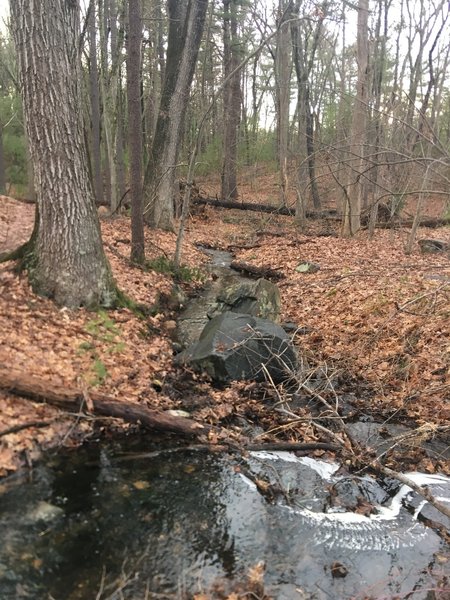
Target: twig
(21,426)
(421,490)
(102,584)
(325,430)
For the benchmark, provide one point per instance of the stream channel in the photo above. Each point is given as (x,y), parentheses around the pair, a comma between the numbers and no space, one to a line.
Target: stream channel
(141,518)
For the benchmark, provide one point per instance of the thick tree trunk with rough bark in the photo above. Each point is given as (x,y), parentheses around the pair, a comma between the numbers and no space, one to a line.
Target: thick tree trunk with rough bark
(186,20)
(67,262)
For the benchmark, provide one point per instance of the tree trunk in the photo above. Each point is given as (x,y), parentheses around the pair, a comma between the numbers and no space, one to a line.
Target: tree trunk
(185,31)
(378,75)
(303,58)
(135,128)
(94,94)
(2,163)
(75,401)
(116,66)
(108,86)
(352,203)
(231,101)
(68,262)
(283,67)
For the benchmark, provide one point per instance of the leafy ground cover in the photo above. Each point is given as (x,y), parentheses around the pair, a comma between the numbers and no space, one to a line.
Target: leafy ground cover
(376,320)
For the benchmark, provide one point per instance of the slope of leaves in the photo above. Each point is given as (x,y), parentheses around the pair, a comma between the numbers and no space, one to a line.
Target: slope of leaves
(377,316)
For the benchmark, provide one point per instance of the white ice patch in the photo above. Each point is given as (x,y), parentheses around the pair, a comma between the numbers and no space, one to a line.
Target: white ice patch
(324,469)
(427,478)
(248,481)
(360,532)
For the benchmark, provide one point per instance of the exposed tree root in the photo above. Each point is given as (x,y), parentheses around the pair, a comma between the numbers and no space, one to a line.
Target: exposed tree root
(18,254)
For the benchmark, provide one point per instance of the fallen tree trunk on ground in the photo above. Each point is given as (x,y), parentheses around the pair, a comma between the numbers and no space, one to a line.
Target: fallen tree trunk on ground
(432,223)
(280,210)
(254,271)
(76,400)
(398,223)
(329,215)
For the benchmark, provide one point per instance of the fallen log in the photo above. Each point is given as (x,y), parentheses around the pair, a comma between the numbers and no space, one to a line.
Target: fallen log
(431,223)
(254,271)
(235,448)
(76,400)
(280,210)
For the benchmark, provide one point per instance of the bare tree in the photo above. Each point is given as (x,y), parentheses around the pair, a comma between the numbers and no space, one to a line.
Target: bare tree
(186,21)
(304,57)
(353,190)
(94,93)
(231,101)
(115,16)
(135,128)
(283,68)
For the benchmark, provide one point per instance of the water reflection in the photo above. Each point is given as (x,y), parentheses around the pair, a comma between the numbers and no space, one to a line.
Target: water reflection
(174,522)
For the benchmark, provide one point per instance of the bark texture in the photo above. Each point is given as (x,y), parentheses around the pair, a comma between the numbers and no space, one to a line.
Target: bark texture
(76,400)
(94,93)
(135,128)
(354,189)
(68,262)
(231,101)
(186,22)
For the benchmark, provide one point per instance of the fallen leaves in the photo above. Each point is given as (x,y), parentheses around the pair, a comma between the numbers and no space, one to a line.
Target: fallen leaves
(379,316)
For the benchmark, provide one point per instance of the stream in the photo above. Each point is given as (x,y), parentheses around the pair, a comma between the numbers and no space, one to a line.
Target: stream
(174,521)
(142,518)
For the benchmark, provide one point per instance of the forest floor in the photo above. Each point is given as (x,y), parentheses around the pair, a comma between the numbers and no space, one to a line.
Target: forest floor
(375,320)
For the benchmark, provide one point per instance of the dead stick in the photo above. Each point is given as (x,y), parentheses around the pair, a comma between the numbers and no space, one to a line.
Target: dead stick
(40,390)
(21,426)
(234,448)
(421,490)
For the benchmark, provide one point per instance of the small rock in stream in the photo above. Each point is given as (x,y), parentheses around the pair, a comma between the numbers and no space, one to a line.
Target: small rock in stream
(44,511)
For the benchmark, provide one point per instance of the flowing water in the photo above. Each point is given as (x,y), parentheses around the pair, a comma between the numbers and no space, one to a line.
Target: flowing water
(171,521)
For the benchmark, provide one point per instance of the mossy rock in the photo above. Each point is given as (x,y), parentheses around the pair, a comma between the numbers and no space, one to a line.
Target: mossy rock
(260,298)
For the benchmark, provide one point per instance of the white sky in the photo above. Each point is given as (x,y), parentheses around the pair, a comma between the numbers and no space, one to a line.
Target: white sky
(4,12)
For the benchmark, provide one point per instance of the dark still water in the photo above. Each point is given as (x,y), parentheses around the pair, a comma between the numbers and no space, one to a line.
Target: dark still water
(96,524)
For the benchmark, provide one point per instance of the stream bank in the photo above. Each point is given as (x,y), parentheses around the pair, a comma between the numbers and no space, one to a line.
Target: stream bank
(115,535)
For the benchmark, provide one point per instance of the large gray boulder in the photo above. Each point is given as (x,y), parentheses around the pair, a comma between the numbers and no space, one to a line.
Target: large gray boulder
(235,346)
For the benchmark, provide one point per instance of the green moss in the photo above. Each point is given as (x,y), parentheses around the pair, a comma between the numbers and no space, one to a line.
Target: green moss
(139,310)
(163,264)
